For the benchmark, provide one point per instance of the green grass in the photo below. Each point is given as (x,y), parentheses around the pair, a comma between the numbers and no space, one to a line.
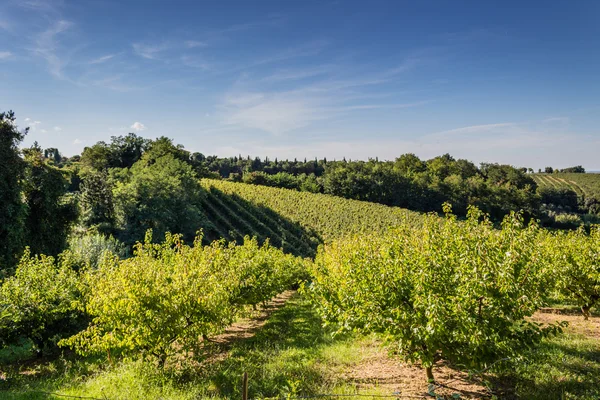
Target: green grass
(565,367)
(291,355)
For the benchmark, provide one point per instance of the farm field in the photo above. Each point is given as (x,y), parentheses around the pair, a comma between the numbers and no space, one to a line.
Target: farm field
(287,353)
(584,184)
(284,346)
(294,218)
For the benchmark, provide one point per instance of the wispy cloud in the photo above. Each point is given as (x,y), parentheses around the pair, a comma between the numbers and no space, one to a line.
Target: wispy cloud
(57,129)
(557,120)
(5,55)
(190,44)
(476,128)
(299,73)
(33,125)
(149,51)
(102,59)
(138,126)
(4,24)
(195,62)
(46,46)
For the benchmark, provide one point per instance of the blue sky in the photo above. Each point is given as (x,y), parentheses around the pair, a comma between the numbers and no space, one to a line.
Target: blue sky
(510,82)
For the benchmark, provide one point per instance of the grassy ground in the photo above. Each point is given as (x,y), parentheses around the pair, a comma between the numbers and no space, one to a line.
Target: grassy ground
(291,355)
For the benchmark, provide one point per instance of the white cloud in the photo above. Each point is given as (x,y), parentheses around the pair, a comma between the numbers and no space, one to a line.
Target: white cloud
(557,120)
(194,62)
(57,129)
(102,59)
(476,128)
(517,145)
(47,48)
(77,141)
(138,126)
(33,125)
(195,43)
(5,55)
(149,51)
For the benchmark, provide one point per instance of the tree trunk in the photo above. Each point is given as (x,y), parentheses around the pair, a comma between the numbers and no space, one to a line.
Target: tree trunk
(586,312)
(429,372)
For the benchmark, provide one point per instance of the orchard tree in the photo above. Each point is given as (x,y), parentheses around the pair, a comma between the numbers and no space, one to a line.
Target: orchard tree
(449,290)
(576,256)
(12,209)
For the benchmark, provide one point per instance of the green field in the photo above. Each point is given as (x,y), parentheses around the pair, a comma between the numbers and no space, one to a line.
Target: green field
(284,347)
(296,221)
(587,184)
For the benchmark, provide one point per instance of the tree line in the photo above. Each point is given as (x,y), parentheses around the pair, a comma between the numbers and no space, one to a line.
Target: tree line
(130,184)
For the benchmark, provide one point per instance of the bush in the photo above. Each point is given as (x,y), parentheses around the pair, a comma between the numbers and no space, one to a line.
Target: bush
(89,250)
(576,256)
(40,302)
(444,290)
(170,295)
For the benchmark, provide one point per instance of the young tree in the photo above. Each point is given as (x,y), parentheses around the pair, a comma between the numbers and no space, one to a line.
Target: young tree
(443,290)
(576,256)
(12,209)
(49,212)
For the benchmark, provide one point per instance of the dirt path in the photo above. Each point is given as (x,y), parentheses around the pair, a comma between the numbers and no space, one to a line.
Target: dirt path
(378,370)
(589,328)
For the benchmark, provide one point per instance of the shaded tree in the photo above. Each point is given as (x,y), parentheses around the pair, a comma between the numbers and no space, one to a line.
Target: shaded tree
(12,209)
(49,212)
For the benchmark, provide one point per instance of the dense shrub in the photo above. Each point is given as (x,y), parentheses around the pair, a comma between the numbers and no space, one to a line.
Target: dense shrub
(90,249)
(442,290)
(40,302)
(170,295)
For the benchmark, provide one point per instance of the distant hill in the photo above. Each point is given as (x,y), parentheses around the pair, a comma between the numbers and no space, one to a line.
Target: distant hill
(587,184)
(296,221)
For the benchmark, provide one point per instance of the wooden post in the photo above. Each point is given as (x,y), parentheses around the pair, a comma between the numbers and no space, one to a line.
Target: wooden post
(245,387)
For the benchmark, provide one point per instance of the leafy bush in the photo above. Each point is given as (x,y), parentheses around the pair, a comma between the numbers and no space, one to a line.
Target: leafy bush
(577,259)
(89,250)
(40,302)
(443,290)
(170,295)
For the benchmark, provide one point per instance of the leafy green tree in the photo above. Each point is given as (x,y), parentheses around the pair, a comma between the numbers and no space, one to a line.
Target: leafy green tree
(169,296)
(96,200)
(443,290)
(99,157)
(49,212)
(40,302)
(576,256)
(12,209)
(162,194)
(127,150)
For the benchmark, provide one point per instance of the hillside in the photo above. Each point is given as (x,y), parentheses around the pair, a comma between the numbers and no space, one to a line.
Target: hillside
(587,184)
(296,221)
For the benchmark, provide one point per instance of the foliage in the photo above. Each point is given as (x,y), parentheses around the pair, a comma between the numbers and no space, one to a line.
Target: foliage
(577,259)
(49,212)
(160,193)
(97,203)
(12,209)
(444,289)
(90,249)
(329,216)
(170,295)
(40,302)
